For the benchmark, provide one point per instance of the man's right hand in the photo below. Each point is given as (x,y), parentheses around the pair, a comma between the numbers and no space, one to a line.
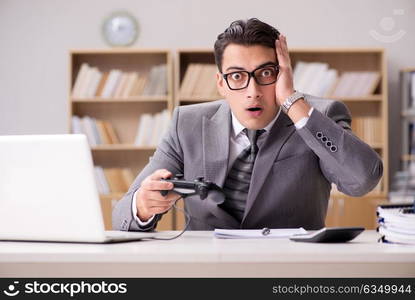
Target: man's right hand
(149,199)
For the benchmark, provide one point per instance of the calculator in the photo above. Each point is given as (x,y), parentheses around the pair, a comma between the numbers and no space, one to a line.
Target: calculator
(329,235)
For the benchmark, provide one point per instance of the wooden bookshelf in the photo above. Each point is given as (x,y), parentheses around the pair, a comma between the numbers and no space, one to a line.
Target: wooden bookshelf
(122,113)
(183,59)
(408,117)
(343,210)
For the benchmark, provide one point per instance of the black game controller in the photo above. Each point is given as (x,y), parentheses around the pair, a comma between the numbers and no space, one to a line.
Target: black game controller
(189,188)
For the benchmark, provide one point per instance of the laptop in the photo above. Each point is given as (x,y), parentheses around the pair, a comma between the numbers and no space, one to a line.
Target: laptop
(48,191)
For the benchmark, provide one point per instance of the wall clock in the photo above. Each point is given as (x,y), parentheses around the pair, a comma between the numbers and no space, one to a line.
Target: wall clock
(120,29)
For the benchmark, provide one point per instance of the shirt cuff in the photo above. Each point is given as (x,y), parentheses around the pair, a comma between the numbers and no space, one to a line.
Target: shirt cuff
(303,121)
(134,209)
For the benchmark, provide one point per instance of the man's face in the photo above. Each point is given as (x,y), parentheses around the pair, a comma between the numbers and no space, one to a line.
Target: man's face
(248,58)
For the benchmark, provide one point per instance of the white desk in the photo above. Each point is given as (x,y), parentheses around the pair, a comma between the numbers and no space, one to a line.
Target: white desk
(199,254)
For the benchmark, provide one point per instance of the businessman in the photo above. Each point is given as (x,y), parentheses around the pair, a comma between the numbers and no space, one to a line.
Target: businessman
(273,150)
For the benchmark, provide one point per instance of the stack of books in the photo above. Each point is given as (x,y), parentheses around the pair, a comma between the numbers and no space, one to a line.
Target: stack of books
(356,84)
(396,223)
(90,82)
(316,78)
(152,128)
(98,132)
(199,81)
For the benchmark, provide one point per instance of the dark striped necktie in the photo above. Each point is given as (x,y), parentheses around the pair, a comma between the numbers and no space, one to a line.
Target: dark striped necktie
(237,183)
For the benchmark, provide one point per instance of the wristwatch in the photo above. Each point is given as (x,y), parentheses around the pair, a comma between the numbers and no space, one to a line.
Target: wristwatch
(291,100)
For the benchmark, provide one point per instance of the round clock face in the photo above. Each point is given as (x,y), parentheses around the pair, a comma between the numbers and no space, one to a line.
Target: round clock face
(120,29)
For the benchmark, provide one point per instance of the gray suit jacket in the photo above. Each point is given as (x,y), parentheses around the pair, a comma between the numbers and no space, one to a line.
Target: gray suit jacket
(292,176)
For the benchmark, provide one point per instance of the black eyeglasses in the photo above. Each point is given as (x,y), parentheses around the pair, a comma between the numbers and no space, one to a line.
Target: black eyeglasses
(264,75)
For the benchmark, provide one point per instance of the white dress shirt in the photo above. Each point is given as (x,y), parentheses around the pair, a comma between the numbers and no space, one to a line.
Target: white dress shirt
(237,143)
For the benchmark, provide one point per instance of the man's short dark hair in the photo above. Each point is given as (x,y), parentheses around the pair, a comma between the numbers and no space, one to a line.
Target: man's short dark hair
(247,33)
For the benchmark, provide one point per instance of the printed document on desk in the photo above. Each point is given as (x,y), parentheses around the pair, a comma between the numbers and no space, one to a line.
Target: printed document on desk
(257,233)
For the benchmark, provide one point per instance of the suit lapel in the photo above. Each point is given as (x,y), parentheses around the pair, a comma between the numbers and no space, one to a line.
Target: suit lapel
(280,132)
(216,135)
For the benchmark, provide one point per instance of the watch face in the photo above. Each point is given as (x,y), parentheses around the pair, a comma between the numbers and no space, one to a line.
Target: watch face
(120,29)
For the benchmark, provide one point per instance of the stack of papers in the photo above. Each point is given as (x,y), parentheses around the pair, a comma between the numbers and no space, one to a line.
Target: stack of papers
(257,233)
(397,223)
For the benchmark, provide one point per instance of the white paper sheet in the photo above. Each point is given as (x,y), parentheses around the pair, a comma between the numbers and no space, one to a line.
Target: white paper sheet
(257,233)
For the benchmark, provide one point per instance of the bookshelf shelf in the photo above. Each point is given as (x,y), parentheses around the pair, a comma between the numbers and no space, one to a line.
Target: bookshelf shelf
(198,99)
(117,147)
(122,100)
(374,98)
(195,79)
(369,122)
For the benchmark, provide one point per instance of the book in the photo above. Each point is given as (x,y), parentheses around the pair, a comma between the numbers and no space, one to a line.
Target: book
(80,78)
(113,137)
(85,82)
(327,83)
(93,84)
(88,130)
(102,183)
(152,128)
(147,129)
(318,70)
(165,120)
(76,125)
(132,77)
(195,78)
(161,86)
(101,84)
(156,128)
(141,83)
(103,134)
(95,131)
(118,91)
(184,86)
(111,83)
(154,84)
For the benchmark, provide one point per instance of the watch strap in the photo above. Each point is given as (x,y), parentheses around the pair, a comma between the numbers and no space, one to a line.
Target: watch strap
(291,100)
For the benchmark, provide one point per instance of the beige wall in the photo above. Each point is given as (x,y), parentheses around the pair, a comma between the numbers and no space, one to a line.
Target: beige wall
(35,36)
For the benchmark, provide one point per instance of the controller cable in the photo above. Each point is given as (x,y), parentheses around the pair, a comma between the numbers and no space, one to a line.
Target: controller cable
(187,216)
